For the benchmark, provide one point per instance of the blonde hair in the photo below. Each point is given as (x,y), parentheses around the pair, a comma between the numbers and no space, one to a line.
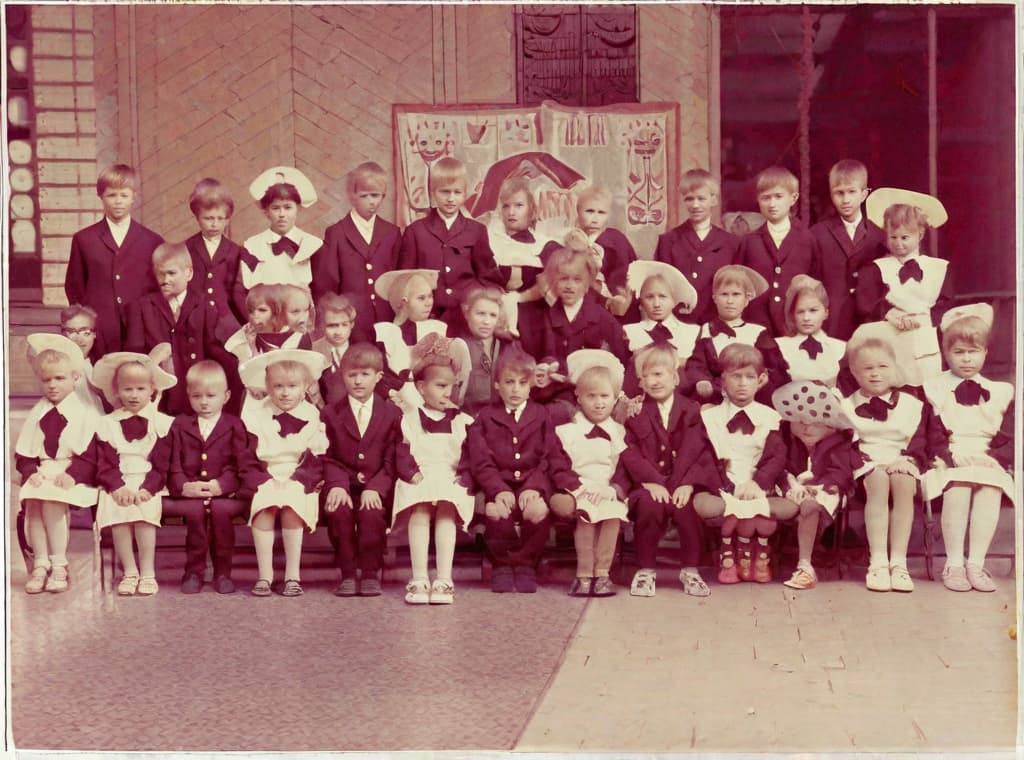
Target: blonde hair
(848,170)
(592,192)
(656,355)
(802,285)
(166,253)
(777,176)
(731,274)
(695,179)
(210,193)
(369,175)
(116,176)
(289,366)
(592,375)
(970,330)
(204,372)
(447,171)
(904,215)
(739,355)
(513,185)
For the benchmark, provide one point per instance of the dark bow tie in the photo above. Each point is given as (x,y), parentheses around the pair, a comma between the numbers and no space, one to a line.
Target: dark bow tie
(430,425)
(289,424)
(911,270)
(740,423)
(409,332)
(286,246)
(52,424)
(134,428)
(523,236)
(718,327)
(812,346)
(875,409)
(269,341)
(971,393)
(660,334)
(598,432)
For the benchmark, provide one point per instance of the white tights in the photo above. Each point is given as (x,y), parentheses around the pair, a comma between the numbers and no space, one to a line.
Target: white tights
(888,535)
(444,539)
(983,508)
(145,537)
(291,536)
(46,527)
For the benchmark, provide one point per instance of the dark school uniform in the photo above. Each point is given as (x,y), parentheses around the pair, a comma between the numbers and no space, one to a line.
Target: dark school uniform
(332,386)
(798,254)
(218,281)
(769,449)
(840,261)
(829,466)
(698,260)
(714,337)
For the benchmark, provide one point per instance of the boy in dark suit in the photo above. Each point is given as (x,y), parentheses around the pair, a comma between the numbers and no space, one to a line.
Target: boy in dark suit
(335,319)
(359,470)
(358,249)
(210,452)
(110,263)
(593,211)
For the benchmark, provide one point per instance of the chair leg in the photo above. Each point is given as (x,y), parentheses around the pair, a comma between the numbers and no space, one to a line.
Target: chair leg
(27,554)
(929,540)
(839,538)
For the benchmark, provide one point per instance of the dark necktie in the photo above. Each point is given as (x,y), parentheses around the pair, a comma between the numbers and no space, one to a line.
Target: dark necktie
(599,432)
(52,424)
(875,409)
(286,246)
(134,428)
(718,327)
(289,424)
(740,423)
(660,334)
(970,393)
(430,425)
(812,346)
(911,270)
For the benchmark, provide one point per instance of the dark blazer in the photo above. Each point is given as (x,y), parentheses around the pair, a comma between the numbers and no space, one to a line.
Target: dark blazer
(366,461)
(833,461)
(873,296)
(346,264)
(109,279)
(219,281)
(703,364)
(593,327)
(655,454)
(798,254)
(225,456)
(840,262)
(618,255)
(462,256)
(698,260)
(505,455)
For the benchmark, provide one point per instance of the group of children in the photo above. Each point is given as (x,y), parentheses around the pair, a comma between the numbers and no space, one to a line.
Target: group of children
(459,372)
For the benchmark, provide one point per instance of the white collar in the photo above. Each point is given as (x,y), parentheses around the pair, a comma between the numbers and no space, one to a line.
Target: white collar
(517,411)
(448,220)
(355,405)
(852,226)
(364,226)
(212,244)
(178,300)
(206,426)
(781,228)
(123,225)
(571,312)
(433,414)
(703,228)
(912,255)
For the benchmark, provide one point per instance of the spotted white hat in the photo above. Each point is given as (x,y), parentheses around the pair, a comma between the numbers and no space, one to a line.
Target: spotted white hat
(810,401)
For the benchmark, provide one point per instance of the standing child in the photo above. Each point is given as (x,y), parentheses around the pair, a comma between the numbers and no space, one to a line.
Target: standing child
(130,454)
(358,249)
(610,249)
(336,317)
(978,413)
(806,352)
(428,490)
(507,457)
(481,313)
(78,324)
(588,483)
(58,427)
(110,266)
(282,253)
(290,441)
(359,469)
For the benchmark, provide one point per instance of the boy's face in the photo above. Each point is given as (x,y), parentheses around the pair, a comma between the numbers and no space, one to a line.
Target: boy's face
(419,299)
(810,433)
(448,198)
(699,202)
(903,241)
(173,277)
(874,370)
(286,388)
(82,332)
(596,398)
(730,300)
(656,299)
(482,317)
(297,312)
(117,202)
(847,197)
(658,381)
(572,282)
(436,388)
(282,215)
(809,314)
(515,212)
(208,397)
(360,382)
(965,359)
(775,203)
(337,327)
(365,201)
(514,387)
(261,317)
(212,221)
(592,215)
(57,380)
(135,387)
(742,383)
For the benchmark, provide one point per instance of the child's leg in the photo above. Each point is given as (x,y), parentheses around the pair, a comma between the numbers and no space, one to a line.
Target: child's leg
(904,488)
(56,519)
(343,523)
(584,537)
(807,531)
(35,531)
(123,548)
(371,535)
(649,518)
(604,552)
(876,516)
(291,536)
(145,537)
(263,541)
(956,505)
(419,540)
(984,519)
(445,528)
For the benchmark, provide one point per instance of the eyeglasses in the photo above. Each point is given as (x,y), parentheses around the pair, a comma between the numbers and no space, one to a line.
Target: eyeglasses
(85,332)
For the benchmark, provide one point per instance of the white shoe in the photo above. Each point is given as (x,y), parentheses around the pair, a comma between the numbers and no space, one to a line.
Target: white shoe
(417,591)
(58,580)
(442,592)
(37,580)
(643,583)
(693,584)
(878,579)
(900,579)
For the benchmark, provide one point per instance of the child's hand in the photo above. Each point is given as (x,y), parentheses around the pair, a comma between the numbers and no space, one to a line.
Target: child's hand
(658,492)
(213,489)
(635,405)
(337,497)
(35,480)
(63,480)
(495,510)
(681,496)
(975,460)
(142,495)
(911,322)
(257,394)
(194,489)
(506,500)
(542,375)
(534,508)
(797,494)
(123,496)
(370,500)
(593,497)
(705,388)
(618,304)
(417,478)
(619,493)
(747,491)
(621,410)
(896,318)
(902,466)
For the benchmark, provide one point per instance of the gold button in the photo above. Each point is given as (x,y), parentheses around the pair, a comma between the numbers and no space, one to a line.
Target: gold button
(369,267)
(119,299)
(778,270)
(516,474)
(447,269)
(700,259)
(210,291)
(203,456)
(448,291)
(209,275)
(777,299)
(518,455)
(775,284)
(856,275)
(361,456)
(369,281)
(694,274)
(192,356)
(373,296)
(515,439)
(117,277)
(202,473)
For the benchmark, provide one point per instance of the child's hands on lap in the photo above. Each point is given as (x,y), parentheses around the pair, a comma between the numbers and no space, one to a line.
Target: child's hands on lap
(417,478)
(194,489)
(337,497)
(123,496)
(975,460)
(35,480)
(63,480)
(141,495)
(658,492)
(681,496)
(502,505)
(534,508)
(370,500)
(749,490)
(903,466)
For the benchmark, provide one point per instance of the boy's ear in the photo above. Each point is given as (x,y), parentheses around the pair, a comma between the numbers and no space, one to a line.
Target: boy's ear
(762,380)
(191,274)
(227,395)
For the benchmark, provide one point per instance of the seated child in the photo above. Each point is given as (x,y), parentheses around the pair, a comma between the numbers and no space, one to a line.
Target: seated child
(428,489)
(359,469)
(820,461)
(611,251)
(210,455)
(282,253)
(129,455)
(698,248)
(588,483)
(358,249)
(268,327)
(58,427)
(290,442)
(215,258)
(906,289)
(780,249)
(481,312)
(661,454)
(805,352)
(78,324)
(978,413)
(507,457)
(110,265)
(750,453)
(336,317)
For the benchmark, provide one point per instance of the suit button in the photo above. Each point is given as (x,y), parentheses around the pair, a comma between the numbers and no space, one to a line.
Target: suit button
(663,447)
(447,291)
(209,275)
(695,275)
(661,463)
(856,275)
(853,290)
(117,277)
(210,291)
(369,267)
(212,303)
(192,357)
(775,284)
(518,455)
(203,456)
(119,299)
(776,299)
(700,259)
(515,440)
(517,474)
(369,281)
(202,473)
(447,269)
(778,270)
(360,455)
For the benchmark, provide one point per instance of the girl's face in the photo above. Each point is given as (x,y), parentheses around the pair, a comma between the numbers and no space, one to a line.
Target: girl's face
(741,384)
(436,388)
(903,241)
(572,281)
(482,317)
(809,314)
(134,385)
(282,214)
(261,317)
(297,312)
(82,332)
(58,380)
(874,370)
(656,299)
(337,327)
(730,300)
(286,387)
(965,359)
(419,299)
(515,212)
(592,215)
(596,398)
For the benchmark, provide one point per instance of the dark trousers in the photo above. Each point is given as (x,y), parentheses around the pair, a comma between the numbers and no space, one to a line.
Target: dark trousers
(221,539)
(650,519)
(509,549)
(358,536)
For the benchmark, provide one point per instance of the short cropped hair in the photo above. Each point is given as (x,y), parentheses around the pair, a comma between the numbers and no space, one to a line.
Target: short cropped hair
(802,285)
(732,275)
(513,185)
(289,366)
(775,176)
(369,175)
(591,193)
(848,170)
(592,375)
(281,191)
(904,215)
(210,193)
(656,354)
(48,357)
(739,355)
(77,310)
(116,176)
(336,302)
(166,253)
(447,171)
(694,179)
(515,359)
(970,330)
(362,356)
(203,372)
(854,347)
